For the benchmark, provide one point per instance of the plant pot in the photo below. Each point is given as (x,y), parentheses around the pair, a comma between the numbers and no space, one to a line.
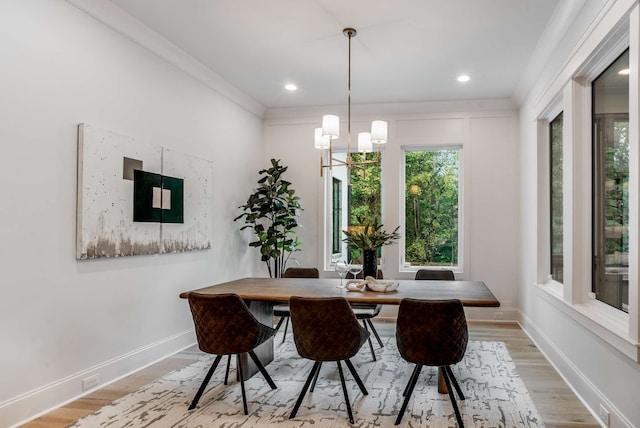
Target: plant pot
(370,263)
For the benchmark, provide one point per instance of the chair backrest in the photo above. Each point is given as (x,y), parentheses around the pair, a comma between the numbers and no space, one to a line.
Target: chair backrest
(301,273)
(325,328)
(379,275)
(433,274)
(432,332)
(224,325)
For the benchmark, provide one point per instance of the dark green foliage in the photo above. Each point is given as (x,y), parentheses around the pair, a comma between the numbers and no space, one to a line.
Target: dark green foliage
(271,212)
(370,236)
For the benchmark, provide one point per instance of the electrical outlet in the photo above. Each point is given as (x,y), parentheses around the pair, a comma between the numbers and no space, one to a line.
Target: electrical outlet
(90,382)
(498,315)
(604,415)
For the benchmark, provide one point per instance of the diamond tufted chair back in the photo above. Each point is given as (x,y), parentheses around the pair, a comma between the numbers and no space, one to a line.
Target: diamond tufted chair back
(433,274)
(282,311)
(301,273)
(325,329)
(432,333)
(225,326)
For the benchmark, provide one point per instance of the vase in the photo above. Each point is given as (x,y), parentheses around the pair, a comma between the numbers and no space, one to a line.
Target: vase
(370,263)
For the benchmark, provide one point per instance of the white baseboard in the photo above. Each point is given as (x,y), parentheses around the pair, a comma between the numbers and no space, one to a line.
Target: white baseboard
(30,405)
(580,384)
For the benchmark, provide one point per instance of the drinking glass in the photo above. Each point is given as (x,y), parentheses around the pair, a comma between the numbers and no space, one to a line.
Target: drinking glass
(355,269)
(341,269)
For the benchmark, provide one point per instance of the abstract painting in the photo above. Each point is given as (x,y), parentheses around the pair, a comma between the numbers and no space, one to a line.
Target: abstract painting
(136,198)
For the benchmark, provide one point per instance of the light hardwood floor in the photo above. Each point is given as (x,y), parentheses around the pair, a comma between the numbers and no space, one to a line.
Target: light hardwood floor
(557,404)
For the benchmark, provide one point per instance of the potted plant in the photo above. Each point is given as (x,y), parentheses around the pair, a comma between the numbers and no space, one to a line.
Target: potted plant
(369,238)
(271,212)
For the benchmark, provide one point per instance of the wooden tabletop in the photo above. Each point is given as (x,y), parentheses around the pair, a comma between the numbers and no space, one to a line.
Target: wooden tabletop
(279,290)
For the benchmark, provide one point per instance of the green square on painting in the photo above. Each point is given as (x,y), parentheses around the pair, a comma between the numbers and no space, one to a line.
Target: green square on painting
(157,198)
(175,186)
(143,207)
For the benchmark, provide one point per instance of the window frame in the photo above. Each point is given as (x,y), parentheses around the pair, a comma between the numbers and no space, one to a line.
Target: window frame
(551,230)
(553,110)
(574,298)
(403,265)
(328,257)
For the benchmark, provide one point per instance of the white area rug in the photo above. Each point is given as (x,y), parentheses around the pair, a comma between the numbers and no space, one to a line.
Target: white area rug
(495,395)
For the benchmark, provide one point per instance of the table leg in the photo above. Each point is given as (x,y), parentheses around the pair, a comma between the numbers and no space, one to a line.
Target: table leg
(263,311)
(442,385)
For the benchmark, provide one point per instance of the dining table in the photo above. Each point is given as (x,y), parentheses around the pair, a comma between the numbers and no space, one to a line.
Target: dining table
(261,294)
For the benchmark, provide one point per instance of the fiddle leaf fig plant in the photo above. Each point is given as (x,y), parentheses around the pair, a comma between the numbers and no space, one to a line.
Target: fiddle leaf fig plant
(271,213)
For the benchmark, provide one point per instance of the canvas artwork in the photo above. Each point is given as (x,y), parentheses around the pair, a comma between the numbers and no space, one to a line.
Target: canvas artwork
(136,198)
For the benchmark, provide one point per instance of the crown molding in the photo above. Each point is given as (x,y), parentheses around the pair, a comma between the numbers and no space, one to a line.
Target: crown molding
(115,18)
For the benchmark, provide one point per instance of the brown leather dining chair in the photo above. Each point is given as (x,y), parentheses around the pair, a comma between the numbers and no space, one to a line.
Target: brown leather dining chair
(435,274)
(432,333)
(282,311)
(366,312)
(225,326)
(325,329)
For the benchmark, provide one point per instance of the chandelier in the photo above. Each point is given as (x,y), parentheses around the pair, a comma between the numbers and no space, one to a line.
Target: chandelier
(323,137)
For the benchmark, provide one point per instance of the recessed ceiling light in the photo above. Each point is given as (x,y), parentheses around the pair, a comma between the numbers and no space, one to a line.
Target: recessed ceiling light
(624,72)
(463,78)
(290,87)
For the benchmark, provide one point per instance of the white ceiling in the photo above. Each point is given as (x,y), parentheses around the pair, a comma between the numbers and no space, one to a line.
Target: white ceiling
(405,50)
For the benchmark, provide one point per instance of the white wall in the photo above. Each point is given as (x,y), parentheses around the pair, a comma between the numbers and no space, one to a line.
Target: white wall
(598,372)
(488,132)
(62,320)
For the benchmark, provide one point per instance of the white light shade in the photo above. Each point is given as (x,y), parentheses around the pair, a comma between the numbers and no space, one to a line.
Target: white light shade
(379,131)
(364,142)
(320,142)
(331,126)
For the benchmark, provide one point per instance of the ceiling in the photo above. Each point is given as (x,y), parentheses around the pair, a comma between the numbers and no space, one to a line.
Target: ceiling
(405,50)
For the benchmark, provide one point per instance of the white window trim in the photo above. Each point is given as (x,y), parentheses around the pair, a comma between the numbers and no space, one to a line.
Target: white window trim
(544,194)
(403,267)
(325,246)
(574,298)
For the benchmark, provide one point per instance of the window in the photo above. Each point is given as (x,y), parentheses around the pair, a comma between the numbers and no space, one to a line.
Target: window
(336,204)
(431,235)
(556,184)
(357,189)
(610,184)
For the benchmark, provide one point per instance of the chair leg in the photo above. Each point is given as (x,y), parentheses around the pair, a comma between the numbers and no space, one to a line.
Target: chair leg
(411,385)
(280,321)
(294,412)
(260,366)
(194,403)
(284,336)
(455,382)
(356,377)
(413,373)
(344,389)
(453,398)
(244,395)
(375,332)
(315,378)
(226,373)
(373,354)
